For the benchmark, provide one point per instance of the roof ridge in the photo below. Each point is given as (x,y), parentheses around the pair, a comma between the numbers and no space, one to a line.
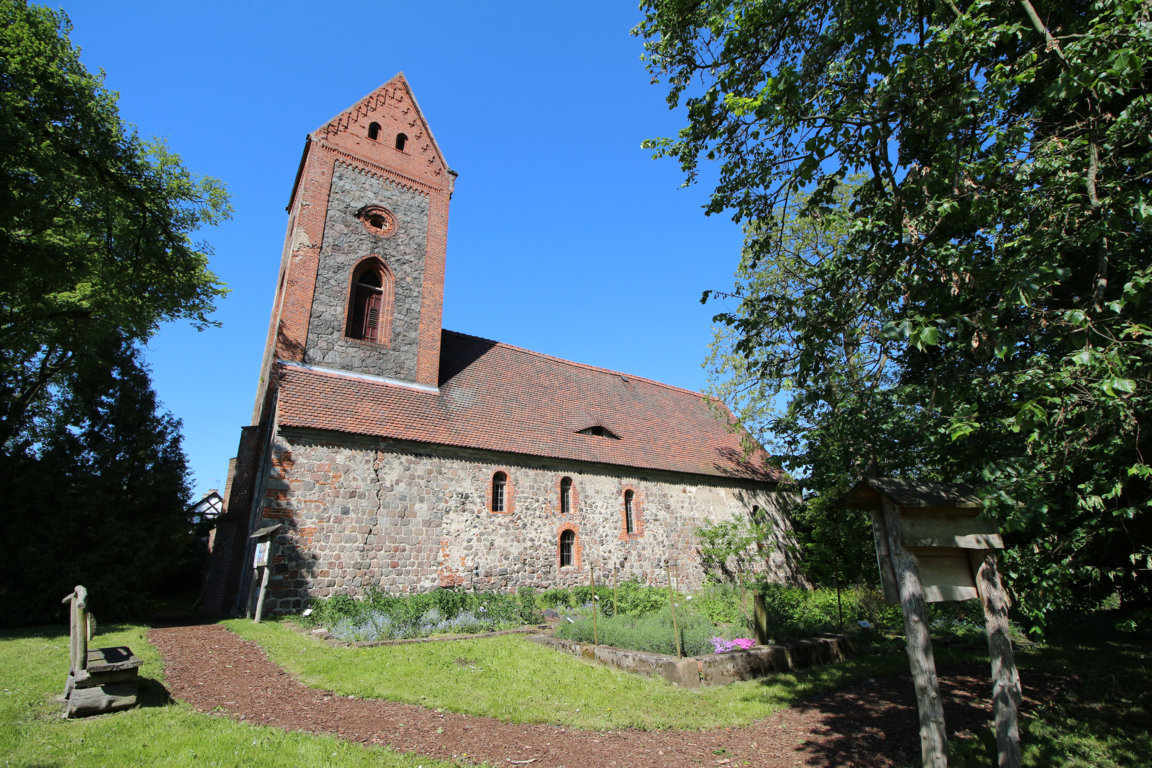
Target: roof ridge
(600,369)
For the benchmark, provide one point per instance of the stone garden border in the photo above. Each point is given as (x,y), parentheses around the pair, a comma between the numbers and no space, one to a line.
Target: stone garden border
(713,669)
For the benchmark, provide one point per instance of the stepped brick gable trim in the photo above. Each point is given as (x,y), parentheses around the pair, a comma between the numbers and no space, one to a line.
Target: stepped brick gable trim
(393,107)
(420,168)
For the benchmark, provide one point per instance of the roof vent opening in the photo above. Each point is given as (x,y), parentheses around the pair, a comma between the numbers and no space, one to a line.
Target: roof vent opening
(599,430)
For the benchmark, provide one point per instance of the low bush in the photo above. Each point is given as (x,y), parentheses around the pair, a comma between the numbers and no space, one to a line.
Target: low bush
(629,598)
(721,604)
(651,632)
(795,612)
(379,616)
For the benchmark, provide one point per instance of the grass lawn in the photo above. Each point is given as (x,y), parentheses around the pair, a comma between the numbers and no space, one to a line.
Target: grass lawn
(1102,718)
(33,665)
(513,679)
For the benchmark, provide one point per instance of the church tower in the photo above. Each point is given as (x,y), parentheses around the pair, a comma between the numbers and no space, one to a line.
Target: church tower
(361,282)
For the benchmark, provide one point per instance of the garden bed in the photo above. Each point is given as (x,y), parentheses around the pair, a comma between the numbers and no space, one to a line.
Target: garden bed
(328,637)
(712,669)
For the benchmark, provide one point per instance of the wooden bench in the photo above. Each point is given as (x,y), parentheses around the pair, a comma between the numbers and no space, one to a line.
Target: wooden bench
(99,679)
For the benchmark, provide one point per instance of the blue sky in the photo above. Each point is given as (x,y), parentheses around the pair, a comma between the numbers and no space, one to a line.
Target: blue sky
(564,237)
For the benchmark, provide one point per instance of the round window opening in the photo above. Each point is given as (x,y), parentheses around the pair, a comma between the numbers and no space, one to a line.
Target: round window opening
(377,219)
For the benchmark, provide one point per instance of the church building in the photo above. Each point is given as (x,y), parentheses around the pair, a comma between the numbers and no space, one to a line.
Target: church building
(394,454)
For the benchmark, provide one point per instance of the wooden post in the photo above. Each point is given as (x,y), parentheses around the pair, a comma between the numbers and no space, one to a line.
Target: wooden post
(592,580)
(615,609)
(1006,694)
(672,603)
(263,589)
(933,735)
(252,589)
(77,636)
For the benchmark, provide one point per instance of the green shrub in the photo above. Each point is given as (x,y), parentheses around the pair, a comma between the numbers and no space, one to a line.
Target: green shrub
(651,632)
(629,597)
(556,598)
(721,604)
(794,612)
(636,599)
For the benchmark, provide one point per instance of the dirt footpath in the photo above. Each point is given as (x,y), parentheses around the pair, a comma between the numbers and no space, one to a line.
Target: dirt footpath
(870,724)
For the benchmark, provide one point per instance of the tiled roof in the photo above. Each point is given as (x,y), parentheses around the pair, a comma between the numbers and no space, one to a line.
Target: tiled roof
(502,398)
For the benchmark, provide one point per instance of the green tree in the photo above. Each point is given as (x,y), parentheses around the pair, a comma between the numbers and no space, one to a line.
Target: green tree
(96,224)
(102,502)
(96,250)
(809,370)
(734,551)
(996,252)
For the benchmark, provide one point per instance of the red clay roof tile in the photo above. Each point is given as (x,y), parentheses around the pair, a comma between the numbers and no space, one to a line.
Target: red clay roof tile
(502,398)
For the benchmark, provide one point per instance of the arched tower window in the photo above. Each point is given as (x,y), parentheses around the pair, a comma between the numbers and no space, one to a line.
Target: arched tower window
(629,517)
(374,131)
(567,547)
(565,495)
(401,141)
(370,302)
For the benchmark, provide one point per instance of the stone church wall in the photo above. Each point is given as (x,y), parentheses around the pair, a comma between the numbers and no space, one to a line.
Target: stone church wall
(363,512)
(346,243)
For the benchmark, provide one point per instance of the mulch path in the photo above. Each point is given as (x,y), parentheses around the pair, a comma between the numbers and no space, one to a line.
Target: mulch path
(872,724)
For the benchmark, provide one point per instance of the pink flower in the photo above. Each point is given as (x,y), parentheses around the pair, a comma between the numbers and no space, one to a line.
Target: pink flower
(723,646)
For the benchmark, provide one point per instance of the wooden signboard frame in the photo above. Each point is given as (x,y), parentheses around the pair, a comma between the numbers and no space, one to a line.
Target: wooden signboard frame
(932,545)
(261,566)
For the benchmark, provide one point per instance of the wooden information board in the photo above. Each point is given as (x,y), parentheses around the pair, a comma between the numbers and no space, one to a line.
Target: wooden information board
(933,545)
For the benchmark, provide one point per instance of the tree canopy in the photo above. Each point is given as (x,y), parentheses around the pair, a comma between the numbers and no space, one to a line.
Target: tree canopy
(981,175)
(96,250)
(103,501)
(96,224)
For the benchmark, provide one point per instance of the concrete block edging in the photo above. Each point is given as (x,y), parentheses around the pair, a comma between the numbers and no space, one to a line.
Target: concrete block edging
(713,669)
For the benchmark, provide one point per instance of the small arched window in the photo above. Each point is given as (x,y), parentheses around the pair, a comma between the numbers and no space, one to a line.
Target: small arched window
(567,547)
(374,131)
(499,487)
(565,495)
(401,141)
(369,315)
(629,518)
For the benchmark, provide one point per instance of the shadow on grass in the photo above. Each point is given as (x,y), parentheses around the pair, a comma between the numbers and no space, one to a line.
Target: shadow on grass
(1084,704)
(42,632)
(152,693)
(180,619)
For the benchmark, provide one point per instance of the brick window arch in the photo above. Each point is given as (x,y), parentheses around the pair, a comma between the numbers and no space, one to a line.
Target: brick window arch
(500,497)
(567,547)
(565,495)
(631,514)
(374,131)
(370,302)
(401,141)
